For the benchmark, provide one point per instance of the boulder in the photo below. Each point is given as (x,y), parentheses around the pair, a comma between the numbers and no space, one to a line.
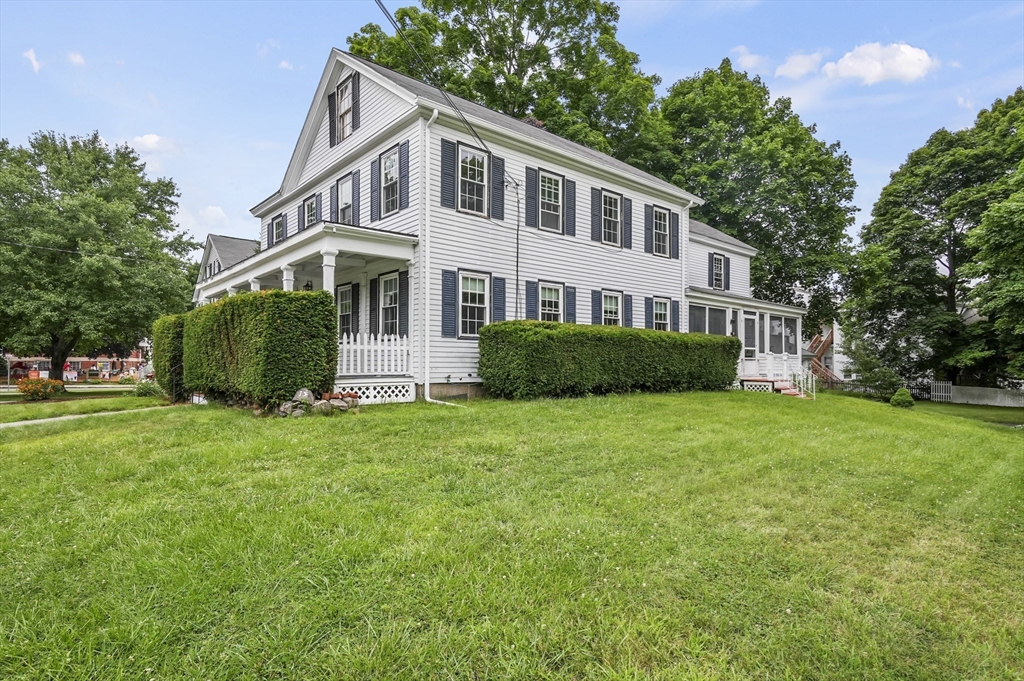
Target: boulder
(304,395)
(323,407)
(339,404)
(352,401)
(296,413)
(286,407)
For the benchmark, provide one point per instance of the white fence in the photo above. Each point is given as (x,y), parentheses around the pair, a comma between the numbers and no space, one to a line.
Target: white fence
(363,354)
(942,391)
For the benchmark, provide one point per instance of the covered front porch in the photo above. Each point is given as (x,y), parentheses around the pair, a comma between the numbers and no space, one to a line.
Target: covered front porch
(369,273)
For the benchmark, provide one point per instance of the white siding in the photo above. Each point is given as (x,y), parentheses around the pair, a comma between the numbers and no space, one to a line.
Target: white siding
(697,267)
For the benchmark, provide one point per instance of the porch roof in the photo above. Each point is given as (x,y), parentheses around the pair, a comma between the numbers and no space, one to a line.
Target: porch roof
(736,300)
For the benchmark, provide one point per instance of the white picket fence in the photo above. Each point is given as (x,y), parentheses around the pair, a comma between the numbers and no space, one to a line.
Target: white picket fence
(942,391)
(363,354)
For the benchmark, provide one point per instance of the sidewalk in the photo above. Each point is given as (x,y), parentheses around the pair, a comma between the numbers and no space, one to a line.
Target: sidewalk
(81,416)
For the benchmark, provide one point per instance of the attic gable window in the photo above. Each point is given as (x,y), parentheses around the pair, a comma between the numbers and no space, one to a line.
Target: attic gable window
(345,108)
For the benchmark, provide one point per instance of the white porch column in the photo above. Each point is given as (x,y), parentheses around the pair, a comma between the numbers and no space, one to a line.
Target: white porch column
(254,284)
(328,269)
(288,277)
(364,304)
(232,290)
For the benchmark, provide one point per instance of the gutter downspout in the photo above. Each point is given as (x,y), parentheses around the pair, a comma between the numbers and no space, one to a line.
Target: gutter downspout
(425,264)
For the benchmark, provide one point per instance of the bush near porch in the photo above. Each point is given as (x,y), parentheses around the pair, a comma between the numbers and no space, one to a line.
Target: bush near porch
(260,347)
(167,355)
(530,359)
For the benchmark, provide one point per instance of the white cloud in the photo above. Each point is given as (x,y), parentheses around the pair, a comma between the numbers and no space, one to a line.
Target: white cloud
(264,48)
(154,144)
(875,63)
(213,216)
(746,60)
(799,65)
(965,103)
(285,65)
(31,56)
(76,59)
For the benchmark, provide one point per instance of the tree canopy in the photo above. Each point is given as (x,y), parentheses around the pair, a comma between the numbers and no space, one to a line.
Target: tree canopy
(89,256)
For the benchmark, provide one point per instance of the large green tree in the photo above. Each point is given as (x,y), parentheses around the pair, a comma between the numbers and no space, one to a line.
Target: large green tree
(911,287)
(89,254)
(768,181)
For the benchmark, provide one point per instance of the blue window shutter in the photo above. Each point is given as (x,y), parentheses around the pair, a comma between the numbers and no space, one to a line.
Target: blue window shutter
(334,202)
(531,300)
(270,233)
(648,228)
(301,215)
(531,197)
(627,223)
(448,163)
(675,315)
(595,214)
(627,313)
(726,273)
(375,190)
(319,207)
(570,304)
(284,226)
(497,188)
(648,312)
(570,208)
(332,116)
(595,307)
(374,294)
(711,270)
(403,303)
(355,101)
(403,175)
(355,198)
(355,307)
(497,299)
(449,304)
(674,236)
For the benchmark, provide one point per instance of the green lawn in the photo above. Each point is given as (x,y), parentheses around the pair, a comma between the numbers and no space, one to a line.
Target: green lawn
(73,394)
(24,411)
(1006,415)
(707,536)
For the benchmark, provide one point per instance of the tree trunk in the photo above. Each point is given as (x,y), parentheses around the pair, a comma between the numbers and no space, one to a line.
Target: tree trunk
(60,350)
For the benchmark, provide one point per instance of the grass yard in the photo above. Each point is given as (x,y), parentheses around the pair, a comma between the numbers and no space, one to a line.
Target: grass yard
(708,536)
(1004,415)
(73,394)
(24,411)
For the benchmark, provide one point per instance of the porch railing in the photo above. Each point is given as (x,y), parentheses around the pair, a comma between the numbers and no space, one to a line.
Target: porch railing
(363,354)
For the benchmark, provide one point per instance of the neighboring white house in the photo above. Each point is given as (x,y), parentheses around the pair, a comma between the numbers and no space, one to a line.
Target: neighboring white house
(387,184)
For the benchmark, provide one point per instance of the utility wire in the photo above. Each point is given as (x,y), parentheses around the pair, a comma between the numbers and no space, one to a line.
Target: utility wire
(64,250)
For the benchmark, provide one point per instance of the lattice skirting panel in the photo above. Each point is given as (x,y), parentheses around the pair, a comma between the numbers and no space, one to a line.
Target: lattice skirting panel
(758,386)
(378,390)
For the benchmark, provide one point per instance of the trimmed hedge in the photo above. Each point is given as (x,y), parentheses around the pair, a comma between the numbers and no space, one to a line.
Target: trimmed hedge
(261,347)
(167,356)
(529,359)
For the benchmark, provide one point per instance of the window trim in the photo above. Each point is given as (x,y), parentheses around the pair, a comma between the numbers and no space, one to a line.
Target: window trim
(716,259)
(668,313)
(337,304)
(311,199)
(273,229)
(380,181)
(458,181)
(393,274)
(349,177)
(351,107)
(668,231)
(541,172)
(604,193)
(622,297)
(486,276)
(561,299)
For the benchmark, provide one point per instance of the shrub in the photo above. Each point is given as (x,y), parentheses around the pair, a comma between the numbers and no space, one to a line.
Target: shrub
(148,389)
(902,398)
(40,388)
(168,362)
(529,359)
(126,379)
(261,347)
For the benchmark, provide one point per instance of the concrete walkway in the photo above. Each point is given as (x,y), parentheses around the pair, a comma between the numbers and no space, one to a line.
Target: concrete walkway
(69,417)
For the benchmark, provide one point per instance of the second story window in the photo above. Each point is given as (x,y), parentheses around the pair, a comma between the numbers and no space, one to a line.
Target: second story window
(660,314)
(345,200)
(472,181)
(718,272)
(345,109)
(611,231)
(277,227)
(310,208)
(550,202)
(389,305)
(389,183)
(660,232)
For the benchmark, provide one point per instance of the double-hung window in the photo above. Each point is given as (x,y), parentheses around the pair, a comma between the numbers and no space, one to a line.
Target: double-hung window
(472,180)
(661,314)
(611,309)
(473,304)
(550,303)
(216,266)
(345,311)
(389,305)
(345,200)
(550,202)
(611,223)
(277,226)
(660,232)
(310,211)
(389,182)
(345,108)
(718,272)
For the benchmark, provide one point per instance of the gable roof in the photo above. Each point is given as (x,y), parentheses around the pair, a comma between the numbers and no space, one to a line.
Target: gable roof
(232,250)
(709,232)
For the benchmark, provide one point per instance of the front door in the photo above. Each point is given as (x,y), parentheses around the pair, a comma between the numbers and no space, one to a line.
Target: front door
(749,367)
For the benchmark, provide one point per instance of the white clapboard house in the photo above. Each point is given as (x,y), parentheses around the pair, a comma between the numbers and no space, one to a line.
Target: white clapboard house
(425,231)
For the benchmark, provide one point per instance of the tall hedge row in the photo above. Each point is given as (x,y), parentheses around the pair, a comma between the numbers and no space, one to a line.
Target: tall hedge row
(261,347)
(167,355)
(529,359)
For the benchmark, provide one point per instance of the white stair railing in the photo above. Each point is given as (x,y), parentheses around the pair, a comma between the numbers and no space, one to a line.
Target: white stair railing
(806,382)
(363,354)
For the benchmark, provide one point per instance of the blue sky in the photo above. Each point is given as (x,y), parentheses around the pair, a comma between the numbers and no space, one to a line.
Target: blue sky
(214,94)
